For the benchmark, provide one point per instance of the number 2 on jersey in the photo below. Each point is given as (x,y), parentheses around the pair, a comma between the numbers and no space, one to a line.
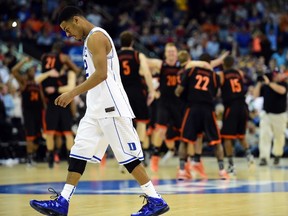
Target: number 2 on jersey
(171,80)
(202,82)
(126,68)
(50,62)
(34,96)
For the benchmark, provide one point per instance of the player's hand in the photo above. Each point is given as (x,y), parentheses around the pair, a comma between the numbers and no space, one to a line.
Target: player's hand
(151,97)
(64,99)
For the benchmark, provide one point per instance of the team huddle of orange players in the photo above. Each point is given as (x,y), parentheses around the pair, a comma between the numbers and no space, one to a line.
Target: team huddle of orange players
(183,92)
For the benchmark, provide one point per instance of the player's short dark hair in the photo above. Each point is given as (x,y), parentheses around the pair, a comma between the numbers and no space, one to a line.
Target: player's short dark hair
(126,39)
(205,57)
(69,12)
(228,62)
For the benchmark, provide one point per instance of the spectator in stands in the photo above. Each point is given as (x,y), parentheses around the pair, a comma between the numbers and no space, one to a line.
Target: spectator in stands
(243,38)
(7,100)
(5,126)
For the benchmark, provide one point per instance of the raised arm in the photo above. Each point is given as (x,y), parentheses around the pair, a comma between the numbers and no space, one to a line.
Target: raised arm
(16,71)
(216,62)
(202,64)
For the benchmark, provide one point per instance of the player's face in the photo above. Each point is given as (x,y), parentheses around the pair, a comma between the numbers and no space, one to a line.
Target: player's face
(171,53)
(72,29)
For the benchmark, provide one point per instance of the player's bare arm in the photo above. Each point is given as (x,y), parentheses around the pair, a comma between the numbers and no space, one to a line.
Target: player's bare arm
(154,64)
(51,73)
(216,62)
(145,71)
(201,64)
(70,84)
(221,77)
(99,46)
(16,72)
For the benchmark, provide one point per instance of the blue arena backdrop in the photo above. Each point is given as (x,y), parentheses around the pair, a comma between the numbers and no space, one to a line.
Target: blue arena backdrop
(75,53)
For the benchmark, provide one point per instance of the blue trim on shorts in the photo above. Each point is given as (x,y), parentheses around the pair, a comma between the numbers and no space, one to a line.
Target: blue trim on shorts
(131,159)
(96,158)
(85,158)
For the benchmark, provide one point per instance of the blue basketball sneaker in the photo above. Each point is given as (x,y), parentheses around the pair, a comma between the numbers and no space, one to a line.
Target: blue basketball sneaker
(57,207)
(153,207)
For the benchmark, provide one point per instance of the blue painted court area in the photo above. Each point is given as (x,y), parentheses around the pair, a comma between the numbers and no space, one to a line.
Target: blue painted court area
(163,186)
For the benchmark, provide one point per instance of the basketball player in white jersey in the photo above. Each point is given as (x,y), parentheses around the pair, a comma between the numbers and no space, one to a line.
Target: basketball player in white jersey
(108,118)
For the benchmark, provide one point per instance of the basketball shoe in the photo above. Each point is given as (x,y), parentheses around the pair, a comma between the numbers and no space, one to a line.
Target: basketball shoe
(183,175)
(231,170)
(250,160)
(223,175)
(153,207)
(199,168)
(56,158)
(59,206)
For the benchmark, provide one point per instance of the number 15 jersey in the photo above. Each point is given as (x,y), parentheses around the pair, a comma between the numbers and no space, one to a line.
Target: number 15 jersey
(232,86)
(200,85)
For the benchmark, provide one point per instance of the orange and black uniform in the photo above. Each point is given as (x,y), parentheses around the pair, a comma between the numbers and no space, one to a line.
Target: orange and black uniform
(236,115)
(200,87)
(32,106)
(133,83)
(57,119)
(169,106)
(51,61)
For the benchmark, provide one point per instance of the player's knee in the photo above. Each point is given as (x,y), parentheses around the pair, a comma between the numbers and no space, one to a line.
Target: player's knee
(131,166)
(76,165)
(160,128)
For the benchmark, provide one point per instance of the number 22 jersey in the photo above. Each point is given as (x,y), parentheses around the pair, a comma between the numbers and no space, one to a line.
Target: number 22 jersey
(200,84)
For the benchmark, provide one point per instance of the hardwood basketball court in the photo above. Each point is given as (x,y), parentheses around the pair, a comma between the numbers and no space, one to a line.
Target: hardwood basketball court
(105,191)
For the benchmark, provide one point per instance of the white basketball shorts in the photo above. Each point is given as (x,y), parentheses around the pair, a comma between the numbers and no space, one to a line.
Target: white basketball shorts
(94,135)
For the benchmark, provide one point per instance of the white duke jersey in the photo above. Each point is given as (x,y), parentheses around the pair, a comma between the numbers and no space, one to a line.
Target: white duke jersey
(108,98)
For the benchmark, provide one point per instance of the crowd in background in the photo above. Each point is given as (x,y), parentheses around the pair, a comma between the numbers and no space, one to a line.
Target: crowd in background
(256,31)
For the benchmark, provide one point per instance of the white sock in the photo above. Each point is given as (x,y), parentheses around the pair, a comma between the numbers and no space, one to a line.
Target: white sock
(149,190)
(68,191)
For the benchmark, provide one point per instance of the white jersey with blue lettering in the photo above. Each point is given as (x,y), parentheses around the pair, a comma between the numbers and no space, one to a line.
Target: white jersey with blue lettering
(108,98)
